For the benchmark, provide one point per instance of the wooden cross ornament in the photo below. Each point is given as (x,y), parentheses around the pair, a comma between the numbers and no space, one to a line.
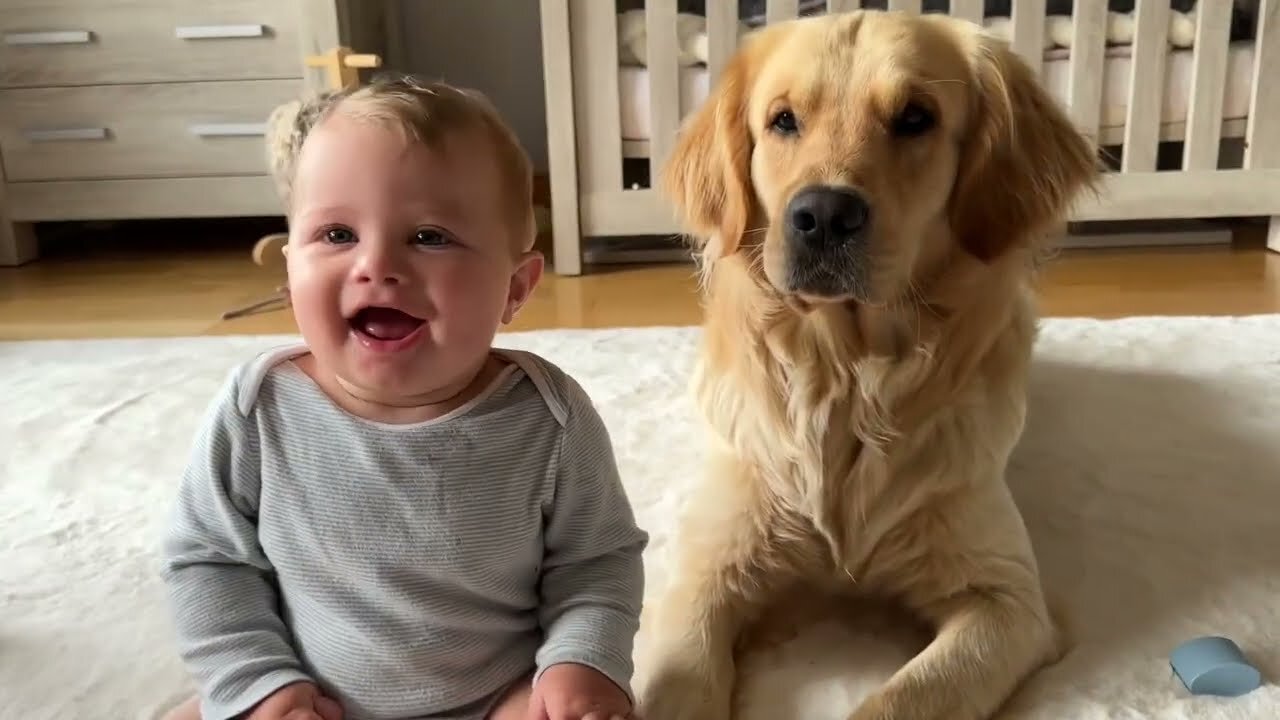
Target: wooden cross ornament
(342,66)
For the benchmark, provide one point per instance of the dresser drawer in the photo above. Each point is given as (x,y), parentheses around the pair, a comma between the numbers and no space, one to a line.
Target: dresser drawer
(123,131)
(81,42)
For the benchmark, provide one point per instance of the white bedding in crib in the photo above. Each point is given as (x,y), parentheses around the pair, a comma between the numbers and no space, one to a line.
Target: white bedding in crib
(633,88)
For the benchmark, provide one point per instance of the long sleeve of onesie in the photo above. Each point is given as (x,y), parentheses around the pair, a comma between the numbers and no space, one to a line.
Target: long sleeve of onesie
(593,576)
(230,634)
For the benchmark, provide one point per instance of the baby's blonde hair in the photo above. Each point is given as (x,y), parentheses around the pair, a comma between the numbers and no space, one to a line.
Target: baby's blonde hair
(427,112)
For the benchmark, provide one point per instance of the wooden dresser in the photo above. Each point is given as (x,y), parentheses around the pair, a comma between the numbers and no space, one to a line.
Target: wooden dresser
(117,109)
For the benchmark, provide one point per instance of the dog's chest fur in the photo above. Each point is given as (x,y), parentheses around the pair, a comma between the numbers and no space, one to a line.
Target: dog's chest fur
(817,421)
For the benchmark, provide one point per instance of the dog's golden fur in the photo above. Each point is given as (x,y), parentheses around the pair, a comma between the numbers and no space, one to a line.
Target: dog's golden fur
(863,433)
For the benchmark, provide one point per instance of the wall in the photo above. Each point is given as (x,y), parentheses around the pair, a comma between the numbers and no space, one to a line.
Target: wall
(494,46)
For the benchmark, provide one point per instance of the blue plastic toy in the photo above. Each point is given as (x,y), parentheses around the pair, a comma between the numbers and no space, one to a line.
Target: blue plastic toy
(1214,665)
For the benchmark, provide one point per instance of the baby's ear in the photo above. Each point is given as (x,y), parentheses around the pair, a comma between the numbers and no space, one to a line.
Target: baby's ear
(528,273)
(287,128)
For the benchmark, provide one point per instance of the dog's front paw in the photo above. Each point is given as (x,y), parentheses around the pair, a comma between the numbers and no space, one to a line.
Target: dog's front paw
(889,705)
(874,708)
(683,693)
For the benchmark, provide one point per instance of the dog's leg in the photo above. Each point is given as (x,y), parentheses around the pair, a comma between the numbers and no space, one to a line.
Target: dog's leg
(985,647)
(734,550)
(981,592)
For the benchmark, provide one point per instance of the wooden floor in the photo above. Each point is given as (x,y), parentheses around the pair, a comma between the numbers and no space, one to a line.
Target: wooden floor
(178,282)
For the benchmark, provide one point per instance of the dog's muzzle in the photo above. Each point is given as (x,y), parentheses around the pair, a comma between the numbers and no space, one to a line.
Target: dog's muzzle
(826,230)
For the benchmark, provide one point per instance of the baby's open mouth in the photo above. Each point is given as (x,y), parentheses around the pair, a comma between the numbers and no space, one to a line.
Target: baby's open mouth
(384,323)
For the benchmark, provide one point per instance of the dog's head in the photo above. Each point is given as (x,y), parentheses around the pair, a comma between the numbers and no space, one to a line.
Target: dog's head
(846,153)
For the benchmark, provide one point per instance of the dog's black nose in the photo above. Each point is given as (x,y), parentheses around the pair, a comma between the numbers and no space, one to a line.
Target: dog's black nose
(826,217)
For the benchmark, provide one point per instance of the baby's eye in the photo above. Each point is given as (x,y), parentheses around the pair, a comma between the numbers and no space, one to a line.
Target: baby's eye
(339,236)
(430,237)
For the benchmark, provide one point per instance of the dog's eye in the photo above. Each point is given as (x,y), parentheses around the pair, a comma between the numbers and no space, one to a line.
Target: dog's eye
(915,119)
(784,123)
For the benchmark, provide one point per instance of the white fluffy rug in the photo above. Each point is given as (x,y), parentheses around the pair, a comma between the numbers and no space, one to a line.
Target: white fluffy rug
(1148,477)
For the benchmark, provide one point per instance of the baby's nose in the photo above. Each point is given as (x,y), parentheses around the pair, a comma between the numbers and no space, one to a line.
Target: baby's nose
(382,267)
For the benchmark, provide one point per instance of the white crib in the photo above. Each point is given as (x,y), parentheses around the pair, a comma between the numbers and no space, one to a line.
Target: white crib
(1176,101)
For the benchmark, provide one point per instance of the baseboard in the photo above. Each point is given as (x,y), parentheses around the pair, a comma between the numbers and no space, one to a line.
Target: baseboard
(1148,239)
(542,189)
(1134,234)
(625,250)
(542,213)
(644,250)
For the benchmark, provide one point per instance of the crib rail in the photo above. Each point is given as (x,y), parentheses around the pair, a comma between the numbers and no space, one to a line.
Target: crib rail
(1142,119)
(662,57)
(1208,81)
(1077,56)
(1088,45)
(1027,31)
(1262,139)
(722,39)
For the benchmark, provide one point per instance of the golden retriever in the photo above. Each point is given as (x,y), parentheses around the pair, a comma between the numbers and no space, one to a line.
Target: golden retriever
(868,193)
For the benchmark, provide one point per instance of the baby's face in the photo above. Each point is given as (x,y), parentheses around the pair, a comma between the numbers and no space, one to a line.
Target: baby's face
(401,262)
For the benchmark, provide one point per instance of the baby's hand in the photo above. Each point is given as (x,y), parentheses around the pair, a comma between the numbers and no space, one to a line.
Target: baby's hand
(297,701)
(569,691)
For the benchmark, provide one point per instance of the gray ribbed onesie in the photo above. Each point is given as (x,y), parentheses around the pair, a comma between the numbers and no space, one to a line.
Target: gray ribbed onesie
(412,571)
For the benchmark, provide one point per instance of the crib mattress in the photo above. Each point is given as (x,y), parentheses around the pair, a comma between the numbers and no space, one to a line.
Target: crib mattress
(633,88)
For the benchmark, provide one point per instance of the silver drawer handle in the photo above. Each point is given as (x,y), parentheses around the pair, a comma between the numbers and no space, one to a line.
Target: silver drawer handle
(56,37)
(205,32)
(229,129)
(58,134)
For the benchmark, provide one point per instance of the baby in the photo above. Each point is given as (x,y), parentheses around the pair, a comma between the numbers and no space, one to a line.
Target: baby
(393,520)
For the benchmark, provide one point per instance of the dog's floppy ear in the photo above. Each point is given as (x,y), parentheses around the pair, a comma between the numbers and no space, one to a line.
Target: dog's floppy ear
(1023,163)
(708,175)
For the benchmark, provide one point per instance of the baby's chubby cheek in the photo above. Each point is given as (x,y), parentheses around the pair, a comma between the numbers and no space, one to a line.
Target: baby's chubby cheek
(306,271)
(300,269)
(315,296)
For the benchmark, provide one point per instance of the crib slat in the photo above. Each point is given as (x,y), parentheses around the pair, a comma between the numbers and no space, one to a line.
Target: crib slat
(970,10)
(1084,74)
(839,6)
(722,34)
(1146,85)
(1263,135)
(779,10)
(1208,83)
(915,6)
(562,156)
(1027,26)
(594,37)
(664,80)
